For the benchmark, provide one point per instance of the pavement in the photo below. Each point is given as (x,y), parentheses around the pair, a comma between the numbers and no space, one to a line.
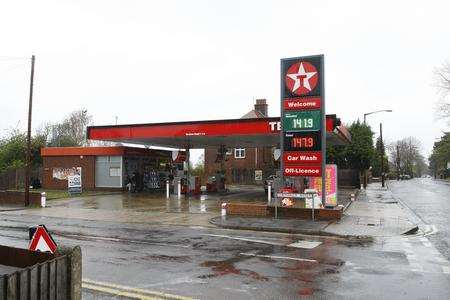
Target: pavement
(376,213)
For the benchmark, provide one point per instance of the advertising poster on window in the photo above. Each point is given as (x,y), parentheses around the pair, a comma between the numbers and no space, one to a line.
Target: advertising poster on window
(64,173)
(331,185)
(258,175)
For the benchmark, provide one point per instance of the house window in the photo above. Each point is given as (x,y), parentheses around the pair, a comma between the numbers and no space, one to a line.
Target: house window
(239,153)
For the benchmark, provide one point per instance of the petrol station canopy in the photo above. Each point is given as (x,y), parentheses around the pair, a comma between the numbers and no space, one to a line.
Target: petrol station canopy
(230,133)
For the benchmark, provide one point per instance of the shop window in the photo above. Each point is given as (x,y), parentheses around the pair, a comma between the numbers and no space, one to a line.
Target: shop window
(239,153)
(102,159)
(116,159)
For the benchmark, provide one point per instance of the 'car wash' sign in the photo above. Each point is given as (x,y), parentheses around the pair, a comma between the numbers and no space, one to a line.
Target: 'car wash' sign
(303,116)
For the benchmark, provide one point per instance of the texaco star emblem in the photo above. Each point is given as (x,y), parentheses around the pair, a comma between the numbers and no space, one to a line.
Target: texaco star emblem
(301,78)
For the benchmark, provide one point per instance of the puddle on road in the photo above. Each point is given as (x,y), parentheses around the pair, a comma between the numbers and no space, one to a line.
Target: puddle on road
(166,258)
(226,267)
(157,202)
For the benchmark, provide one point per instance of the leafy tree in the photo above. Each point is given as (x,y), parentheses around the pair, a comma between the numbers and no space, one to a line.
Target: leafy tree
(13,150)
(70,132)
(440,157)
(376,160)
(358,154)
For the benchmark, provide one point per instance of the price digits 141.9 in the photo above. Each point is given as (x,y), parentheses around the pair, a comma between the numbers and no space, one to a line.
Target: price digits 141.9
(303,123)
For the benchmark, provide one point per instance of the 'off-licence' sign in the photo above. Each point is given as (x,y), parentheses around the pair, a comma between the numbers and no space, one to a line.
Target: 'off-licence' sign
(303,116)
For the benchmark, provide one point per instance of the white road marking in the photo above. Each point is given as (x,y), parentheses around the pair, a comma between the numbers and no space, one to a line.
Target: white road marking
(423,239)
(427,244)
(411,256)
(445,269)
(298,244)
(246,239)
(305,244)
(198,227)
(440,259)
(280,257)
(433,230)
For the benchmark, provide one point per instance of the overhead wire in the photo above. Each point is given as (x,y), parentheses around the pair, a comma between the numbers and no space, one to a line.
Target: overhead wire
(6,58)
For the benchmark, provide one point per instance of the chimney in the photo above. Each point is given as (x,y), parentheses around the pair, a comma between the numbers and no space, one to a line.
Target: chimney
(261,106)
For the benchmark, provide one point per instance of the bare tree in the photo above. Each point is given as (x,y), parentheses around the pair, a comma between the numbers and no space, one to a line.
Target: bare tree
(71,131)
(405,154)
(442,81)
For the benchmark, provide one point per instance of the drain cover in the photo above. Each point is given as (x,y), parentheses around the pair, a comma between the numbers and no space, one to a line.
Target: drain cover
(305,244)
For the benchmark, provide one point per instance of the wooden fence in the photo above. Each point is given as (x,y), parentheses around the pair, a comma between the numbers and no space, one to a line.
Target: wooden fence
(41,275)
(15,178)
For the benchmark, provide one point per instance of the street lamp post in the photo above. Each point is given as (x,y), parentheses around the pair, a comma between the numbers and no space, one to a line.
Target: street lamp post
(374,112)
(365,171)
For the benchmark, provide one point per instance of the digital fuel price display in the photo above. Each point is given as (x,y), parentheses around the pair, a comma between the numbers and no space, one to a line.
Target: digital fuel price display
(302,141)
(302,120)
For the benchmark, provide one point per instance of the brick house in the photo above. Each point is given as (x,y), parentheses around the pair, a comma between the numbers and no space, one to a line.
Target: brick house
(240,164)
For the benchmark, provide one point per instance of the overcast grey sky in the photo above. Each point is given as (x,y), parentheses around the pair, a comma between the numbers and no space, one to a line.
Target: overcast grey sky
(157,61)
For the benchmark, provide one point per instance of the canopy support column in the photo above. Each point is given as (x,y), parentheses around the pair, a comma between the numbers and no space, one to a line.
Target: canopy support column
(188,172)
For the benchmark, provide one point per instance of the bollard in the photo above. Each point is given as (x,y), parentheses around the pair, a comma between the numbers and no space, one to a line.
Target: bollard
(179,189)
(224,209)
(269,193)
(43,199)
(167,189)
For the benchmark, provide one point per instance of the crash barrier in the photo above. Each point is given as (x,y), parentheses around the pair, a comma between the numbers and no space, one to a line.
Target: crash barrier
(260,210)
(18,198)
(40,275)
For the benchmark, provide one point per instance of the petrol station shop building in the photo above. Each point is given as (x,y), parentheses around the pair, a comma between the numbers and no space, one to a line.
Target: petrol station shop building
(104,168)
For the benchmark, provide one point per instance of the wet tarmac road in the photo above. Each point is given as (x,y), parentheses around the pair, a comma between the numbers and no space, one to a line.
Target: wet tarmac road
(157,202)
(210,263)
(429,200)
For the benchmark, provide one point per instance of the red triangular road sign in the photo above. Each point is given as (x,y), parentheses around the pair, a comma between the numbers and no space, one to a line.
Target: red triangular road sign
(42,241)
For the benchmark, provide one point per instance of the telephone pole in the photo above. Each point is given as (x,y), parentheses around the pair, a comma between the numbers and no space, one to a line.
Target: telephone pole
(28,162)
(398,162)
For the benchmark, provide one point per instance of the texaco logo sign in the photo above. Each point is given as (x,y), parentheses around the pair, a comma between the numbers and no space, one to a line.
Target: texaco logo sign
(301,78)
